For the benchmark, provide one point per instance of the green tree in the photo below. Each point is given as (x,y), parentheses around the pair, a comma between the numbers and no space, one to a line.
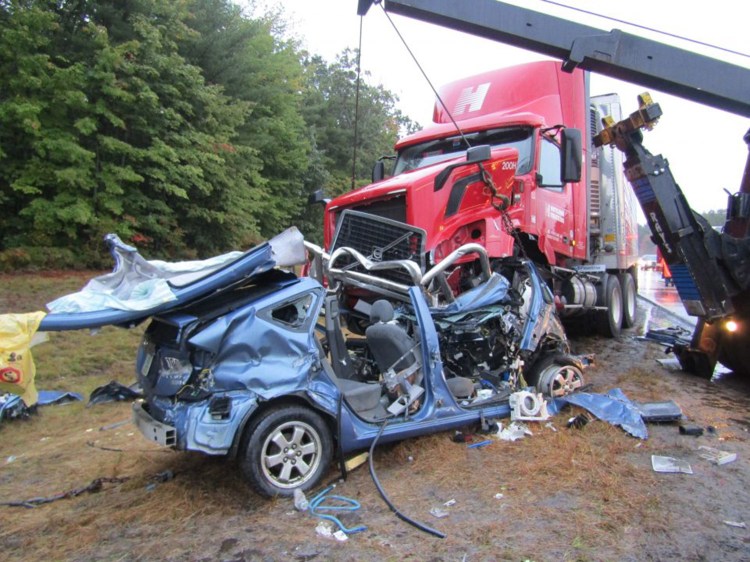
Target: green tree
(106,127)
(252,62)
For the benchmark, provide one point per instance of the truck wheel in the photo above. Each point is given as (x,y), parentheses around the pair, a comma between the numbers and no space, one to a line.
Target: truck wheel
(609,322)
(629,299)
(556,375)
(286,448)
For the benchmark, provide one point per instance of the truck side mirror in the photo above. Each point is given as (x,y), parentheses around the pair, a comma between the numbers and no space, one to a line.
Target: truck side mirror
(378,171)
(474,155)
(317,197)
(570,170)
(478,154)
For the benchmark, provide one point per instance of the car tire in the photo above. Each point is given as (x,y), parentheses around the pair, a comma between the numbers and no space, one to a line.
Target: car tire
(609,322)
(629,299)
(556,375)
(284,449)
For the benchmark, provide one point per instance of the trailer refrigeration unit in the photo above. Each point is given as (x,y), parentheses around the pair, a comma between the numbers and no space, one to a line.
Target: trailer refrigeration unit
(711,270)
(509,164)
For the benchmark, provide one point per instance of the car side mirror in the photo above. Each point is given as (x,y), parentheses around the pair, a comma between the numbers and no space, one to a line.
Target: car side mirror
(474,155)
(570,166)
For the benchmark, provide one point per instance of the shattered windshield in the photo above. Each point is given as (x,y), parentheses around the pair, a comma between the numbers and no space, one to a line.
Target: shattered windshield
(439,150)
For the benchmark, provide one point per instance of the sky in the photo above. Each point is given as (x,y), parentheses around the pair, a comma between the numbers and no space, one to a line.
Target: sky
(703,145)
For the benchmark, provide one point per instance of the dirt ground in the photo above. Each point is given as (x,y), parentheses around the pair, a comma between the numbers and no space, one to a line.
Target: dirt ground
(560,494)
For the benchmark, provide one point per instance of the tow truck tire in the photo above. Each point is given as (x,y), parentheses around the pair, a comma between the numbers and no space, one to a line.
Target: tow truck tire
(629,299)
(284,449)
(609,322)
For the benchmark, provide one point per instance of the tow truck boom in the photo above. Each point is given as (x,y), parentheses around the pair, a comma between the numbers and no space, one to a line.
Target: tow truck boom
(711,270)
(612,53)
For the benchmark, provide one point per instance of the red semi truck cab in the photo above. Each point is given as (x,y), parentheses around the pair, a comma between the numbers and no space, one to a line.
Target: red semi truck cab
(582,233)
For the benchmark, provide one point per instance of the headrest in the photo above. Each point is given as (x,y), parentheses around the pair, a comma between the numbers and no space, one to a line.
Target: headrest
(381,311)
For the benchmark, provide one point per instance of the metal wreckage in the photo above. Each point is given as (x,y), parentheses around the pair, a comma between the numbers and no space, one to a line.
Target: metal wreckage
(252,361)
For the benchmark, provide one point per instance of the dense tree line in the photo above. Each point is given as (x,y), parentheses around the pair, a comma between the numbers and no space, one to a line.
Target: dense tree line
(187,127)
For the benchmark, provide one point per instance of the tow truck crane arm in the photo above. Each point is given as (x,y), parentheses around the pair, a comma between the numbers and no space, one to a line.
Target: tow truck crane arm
(711,270)
(611,53)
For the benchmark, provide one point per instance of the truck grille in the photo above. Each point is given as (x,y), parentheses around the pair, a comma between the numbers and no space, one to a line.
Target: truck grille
(381,239)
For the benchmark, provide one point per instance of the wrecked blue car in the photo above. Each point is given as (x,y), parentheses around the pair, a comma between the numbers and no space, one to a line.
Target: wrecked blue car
(255,362)
(246,359)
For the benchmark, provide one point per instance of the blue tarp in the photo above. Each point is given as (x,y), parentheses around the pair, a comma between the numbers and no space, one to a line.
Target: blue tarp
(613,407)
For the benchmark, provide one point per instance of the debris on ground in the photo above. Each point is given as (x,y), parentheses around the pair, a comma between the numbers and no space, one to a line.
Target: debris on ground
(113,391)
(691,429)
(527,406)
(613,407)
(95,486)
(738,524)
(715,455)
(513,432)
(670,465)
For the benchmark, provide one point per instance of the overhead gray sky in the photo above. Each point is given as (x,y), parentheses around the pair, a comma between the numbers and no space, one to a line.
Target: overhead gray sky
(704,146)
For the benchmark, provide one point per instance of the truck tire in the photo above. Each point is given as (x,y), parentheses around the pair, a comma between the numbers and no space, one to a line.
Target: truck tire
(629,299)
(609,322)
(284,449)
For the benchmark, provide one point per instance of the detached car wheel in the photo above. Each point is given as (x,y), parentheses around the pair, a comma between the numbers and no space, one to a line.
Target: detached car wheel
(557,376)
(285,449)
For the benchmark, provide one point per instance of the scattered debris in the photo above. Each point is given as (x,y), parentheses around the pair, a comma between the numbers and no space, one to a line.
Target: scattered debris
(716,456)
(613,407)
(738,524)
(659,412)
(691,429)
(340,536)
(300,501)
(551,426)
(527,406)
(115,425)
(580,420)
(113,391)
(499,496)
(450,503)
(513,432)
(324,529)
(439,513)
(93,487)
(479,444)
(670,464)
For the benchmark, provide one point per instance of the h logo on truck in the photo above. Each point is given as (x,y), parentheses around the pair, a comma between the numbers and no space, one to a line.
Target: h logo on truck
(473,98)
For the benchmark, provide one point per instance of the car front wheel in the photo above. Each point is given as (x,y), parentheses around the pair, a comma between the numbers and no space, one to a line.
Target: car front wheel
(286,448)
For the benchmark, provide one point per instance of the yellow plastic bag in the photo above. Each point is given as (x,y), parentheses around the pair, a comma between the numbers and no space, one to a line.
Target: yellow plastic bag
(17,368)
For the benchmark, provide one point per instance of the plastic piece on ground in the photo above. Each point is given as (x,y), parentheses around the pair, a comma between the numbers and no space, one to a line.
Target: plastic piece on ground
(513,432)
(670,464)
(689,429)
(48,397)
(480,444)
(439,513)
(17,369)
(658,412)
(113,391)
(738,524)
(715,455)
(613,407)
(300,501)
(528,406)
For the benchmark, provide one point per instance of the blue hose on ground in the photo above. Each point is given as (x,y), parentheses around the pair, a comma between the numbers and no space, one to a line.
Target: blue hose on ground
(316,507)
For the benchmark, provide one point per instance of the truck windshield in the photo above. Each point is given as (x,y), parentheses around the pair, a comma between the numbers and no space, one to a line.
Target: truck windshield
(439,150)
